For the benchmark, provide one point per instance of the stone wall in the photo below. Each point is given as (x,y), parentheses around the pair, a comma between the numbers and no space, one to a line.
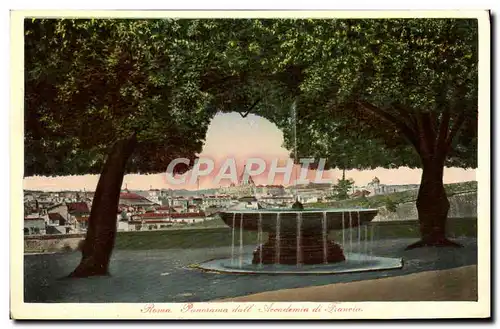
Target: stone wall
(52,243)
(461,206)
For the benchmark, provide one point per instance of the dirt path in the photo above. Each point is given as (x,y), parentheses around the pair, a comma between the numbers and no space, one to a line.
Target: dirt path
(458,284)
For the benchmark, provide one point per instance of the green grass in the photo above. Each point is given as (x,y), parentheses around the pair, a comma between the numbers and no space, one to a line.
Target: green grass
(456,227)
(221,236)
(183,238)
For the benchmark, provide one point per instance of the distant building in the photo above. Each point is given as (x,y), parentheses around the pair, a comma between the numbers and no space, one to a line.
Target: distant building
(78,208)
(152,195)
(129,199)
(180,208)
(60,208)
(188,217)
(78,213)
(179,201)
(30,206)
(210,211)
(193,208)
(217,201)
(29,197)
(247,202)
(246,186)
(82,222)
(279,201)
(239,190)
(56,219)
(310,193)
(191,204)
(158,221)
(165,210)
(270,190)
(34,225)
(360,193)
(376,188)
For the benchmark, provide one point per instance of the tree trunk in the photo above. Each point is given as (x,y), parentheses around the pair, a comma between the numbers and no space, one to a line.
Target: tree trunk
(432,207)
(101,232)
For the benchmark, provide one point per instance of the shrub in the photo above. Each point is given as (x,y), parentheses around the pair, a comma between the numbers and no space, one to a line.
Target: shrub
(67,248)
(364,202)
(390,205)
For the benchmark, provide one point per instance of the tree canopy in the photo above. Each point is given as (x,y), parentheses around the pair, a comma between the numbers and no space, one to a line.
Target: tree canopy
(89,83)
(373,86)
(369,92)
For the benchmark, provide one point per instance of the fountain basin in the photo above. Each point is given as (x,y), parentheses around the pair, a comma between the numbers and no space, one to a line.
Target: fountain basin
(355,263)
(312,219)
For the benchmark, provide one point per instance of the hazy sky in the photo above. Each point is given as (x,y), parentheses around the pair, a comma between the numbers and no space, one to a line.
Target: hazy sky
(231,136)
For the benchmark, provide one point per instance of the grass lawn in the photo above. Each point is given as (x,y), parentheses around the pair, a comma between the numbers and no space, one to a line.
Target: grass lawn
(200,237)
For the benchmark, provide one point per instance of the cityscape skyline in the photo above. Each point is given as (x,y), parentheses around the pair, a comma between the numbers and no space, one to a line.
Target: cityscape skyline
(255,137)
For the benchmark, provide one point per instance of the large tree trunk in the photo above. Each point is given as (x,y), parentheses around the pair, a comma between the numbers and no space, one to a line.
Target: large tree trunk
(431,135)
(101,232)
(432,207)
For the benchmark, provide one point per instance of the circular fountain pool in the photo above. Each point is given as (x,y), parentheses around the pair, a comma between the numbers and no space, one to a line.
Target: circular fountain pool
(355,262)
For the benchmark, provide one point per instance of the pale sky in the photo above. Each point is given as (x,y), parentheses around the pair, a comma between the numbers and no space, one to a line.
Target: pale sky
(231,136)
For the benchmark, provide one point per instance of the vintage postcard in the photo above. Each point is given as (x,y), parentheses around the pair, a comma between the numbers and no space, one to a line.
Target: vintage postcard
(250,165)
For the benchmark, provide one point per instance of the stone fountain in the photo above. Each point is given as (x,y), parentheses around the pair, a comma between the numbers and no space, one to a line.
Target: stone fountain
(298,236)
(298,239)
(298,242)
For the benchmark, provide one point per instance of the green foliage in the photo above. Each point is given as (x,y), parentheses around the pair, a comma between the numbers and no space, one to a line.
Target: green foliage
(342,188)
(463,187)
(365,202)
(92,82)
(370,92)
(390,205)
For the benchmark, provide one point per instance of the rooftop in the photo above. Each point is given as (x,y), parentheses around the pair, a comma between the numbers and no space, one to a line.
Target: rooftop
(55,216)
(78,207)
(131,196)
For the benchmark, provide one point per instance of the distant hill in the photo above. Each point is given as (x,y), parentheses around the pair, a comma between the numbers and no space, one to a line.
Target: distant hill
(310,186)
(181,192)
(184,192)
(395,198)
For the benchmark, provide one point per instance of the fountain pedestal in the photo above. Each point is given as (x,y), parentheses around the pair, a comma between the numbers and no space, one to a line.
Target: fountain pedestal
(312,250)
(302,234)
